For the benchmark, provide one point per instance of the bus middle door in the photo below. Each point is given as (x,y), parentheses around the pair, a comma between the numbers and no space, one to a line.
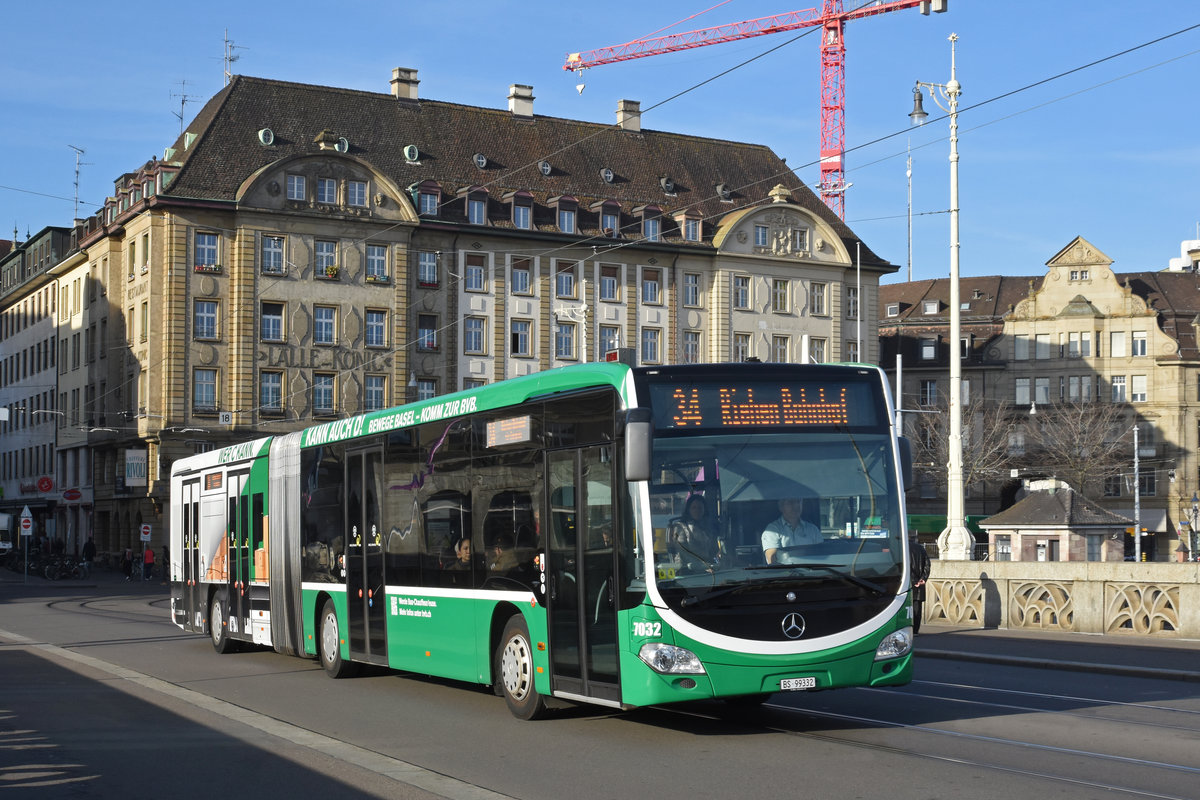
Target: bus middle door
(582,606)
(238,538)
(366,605)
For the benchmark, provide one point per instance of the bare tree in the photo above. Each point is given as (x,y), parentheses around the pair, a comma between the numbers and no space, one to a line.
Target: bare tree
(1081,443)
(987,430)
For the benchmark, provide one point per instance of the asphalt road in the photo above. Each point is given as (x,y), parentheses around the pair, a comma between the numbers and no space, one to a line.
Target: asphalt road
(100,696)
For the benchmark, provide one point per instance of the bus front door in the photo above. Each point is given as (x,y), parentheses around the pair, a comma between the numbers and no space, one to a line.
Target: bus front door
(582,601)
(192,599)
(366,606)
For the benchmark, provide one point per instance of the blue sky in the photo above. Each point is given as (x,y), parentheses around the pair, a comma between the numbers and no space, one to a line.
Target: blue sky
(1110,153)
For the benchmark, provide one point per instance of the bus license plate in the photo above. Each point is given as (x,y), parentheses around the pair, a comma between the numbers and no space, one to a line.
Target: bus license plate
(797,684)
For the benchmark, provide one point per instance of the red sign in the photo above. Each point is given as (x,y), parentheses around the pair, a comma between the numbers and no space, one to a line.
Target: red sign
(44,484)
(72,494)
(26,523)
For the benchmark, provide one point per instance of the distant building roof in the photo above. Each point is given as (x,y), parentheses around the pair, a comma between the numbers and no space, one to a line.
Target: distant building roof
(1056,508)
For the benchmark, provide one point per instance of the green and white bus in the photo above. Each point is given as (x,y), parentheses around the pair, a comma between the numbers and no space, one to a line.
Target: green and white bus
(523,535)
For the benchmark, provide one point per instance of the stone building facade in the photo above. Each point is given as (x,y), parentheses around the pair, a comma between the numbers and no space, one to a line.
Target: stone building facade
(305,253)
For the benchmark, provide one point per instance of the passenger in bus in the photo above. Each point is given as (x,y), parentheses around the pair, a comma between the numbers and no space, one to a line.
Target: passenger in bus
(692,538)
(503,559)
(789,530)
(462,555)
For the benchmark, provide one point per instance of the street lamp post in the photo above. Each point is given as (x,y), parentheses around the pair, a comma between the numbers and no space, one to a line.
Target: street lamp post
(1192,535)
(955,542)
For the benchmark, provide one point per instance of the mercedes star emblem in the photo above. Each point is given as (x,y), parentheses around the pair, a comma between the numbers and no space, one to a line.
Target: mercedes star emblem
(793,626)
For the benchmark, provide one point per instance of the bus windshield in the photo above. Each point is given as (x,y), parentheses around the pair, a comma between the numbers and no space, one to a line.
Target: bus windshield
(734,513)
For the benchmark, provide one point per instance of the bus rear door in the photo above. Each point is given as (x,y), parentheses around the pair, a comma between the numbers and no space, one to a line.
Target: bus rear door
(237,523)
(193,599)
(582,607)
(365,601)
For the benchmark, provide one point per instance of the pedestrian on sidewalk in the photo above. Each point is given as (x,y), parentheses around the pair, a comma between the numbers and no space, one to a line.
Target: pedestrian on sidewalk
(920,574)
(89,555)
(127,564)
(147,563)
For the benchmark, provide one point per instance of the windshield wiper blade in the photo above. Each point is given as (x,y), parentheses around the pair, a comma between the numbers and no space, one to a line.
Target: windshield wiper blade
(862,583)
(715,593)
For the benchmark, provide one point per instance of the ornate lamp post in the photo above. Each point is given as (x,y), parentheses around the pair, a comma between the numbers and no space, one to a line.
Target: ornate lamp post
(955,542)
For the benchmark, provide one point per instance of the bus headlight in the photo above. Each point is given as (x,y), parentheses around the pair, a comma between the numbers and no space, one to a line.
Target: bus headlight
(895,644)
(669,659)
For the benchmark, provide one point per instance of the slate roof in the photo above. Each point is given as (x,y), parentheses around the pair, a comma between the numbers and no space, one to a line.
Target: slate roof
(1060,508)
(379,126)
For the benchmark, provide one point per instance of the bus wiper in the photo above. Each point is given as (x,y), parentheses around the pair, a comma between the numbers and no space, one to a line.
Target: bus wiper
(712,594)
(862,583)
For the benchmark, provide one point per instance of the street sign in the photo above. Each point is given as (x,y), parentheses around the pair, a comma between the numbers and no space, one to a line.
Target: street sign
(225,418)
(26,522)
(145,532)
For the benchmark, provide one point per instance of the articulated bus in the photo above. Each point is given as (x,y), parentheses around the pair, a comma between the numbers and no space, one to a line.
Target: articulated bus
(520,536)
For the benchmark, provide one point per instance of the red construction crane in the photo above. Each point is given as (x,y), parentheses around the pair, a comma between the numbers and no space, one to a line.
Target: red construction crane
(830,17)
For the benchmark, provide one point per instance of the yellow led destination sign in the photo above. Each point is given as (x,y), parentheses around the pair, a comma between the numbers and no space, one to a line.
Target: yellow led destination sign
(513,430)
(763,404)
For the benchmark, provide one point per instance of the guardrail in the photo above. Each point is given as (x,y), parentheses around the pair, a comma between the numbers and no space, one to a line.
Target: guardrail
(1113,598)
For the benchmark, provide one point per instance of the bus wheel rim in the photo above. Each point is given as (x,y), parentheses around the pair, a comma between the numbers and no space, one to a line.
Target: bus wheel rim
(515,668)
(329,638)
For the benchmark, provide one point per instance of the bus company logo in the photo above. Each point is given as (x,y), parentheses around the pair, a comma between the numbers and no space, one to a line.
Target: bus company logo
(793,626)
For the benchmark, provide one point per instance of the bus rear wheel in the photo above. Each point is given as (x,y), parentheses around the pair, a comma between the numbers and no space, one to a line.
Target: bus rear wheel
(331,645)
(222,642)
(514,671)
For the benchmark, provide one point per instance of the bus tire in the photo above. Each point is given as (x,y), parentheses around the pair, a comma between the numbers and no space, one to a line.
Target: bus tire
(331,645)
(218,631)
(514,671)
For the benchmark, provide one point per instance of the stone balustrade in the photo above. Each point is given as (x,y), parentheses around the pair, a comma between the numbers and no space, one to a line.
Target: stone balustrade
(1112,598)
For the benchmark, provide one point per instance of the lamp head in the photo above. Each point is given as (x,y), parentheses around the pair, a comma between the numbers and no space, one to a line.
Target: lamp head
(918,115)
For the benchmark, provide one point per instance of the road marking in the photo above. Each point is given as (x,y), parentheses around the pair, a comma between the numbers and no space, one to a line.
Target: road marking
(378,763)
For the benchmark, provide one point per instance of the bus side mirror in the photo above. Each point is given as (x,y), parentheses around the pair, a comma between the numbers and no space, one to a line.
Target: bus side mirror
(638,428)
(906,465)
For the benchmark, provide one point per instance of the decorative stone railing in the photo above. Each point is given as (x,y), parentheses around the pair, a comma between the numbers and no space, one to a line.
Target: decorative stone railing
(1117,598)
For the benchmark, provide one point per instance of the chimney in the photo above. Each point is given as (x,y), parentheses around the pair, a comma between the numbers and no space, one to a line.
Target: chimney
(629,115)
(520,100)
(404,83)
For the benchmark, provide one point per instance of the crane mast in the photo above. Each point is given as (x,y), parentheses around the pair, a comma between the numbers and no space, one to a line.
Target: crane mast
(832,19)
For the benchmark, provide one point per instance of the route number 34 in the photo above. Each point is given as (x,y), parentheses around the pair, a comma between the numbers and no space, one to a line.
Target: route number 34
(648,629)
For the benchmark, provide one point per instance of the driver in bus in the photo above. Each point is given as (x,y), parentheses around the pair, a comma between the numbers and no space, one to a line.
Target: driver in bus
(789,530)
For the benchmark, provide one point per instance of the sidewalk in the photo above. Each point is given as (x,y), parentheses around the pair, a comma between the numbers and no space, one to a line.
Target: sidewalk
(101,577)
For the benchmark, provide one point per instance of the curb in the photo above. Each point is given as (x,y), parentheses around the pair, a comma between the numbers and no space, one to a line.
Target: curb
(1070,666)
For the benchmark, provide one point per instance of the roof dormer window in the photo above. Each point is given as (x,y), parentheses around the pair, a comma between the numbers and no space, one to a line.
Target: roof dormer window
(428,197)
(522,209)
(566,208)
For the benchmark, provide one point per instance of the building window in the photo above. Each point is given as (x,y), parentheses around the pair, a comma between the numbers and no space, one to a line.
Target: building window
(377,262)
(651,227)
(427,269)
(376,328)
(270,392)
(1016,443)
(651,294)
(816,299)
(779,296)
(477,211)
(799,240)
(271,255)
(1041,390)
(475,277)
(519,337)
(356,193)
(1118,389)
(374,393)
(1079,274)
(566,220)
(691,230)
(427,325)
(1116,345)
(650,345)
(1137,388)
(610,285)
(818,351)
(1139,344)
(324,324)
(930,307)
(852,350)
(428,204)
(610,223)
(271,322)
(426,389)
(691,289)
(326,191)
(780,345)
(204,390)
(204,320)
(929,393)
(691,347)
(206,250)
(852,302)
(928,349)
(741,346)
(296,189)
(322,393)
(564,279)
(1148,483)
(522,216)
(473,383)
(893,309)
(521,282)
(610,338)
(1021,396)
(564,340)
(326,258)
(1041,346)
(1112,486)
(760,235)
(473,338)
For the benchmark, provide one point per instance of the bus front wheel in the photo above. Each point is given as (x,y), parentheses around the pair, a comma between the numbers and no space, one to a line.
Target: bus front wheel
(514,671)
(331,645)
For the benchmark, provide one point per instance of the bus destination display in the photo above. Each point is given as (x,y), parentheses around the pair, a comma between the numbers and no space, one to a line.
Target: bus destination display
(513,430)
(762,404)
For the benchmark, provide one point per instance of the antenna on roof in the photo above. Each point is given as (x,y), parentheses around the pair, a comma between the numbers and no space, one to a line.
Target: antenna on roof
(79,151)
(230,56)
(184,97)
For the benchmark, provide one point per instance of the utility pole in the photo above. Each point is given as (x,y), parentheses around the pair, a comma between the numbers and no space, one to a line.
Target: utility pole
(184,97)
(230,56)
(79,151)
